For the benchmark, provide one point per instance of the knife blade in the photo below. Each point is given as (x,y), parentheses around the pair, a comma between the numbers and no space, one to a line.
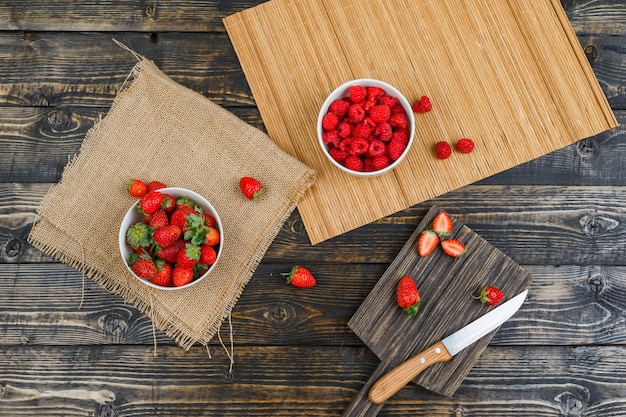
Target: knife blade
(444,350)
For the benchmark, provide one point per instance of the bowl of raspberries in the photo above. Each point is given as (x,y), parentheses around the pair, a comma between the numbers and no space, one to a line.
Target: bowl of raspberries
(366,127)
(170,238)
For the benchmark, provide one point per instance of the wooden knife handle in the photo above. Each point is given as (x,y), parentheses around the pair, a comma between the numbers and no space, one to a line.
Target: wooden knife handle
(392,381)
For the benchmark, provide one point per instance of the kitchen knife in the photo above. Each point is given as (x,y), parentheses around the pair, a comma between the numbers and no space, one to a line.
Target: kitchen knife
(444,350)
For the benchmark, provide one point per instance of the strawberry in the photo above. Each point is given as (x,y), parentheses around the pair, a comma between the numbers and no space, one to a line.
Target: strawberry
(209,220)
(138,235)
(251,188)
(408,296)
(169,203)
(453,247)
(490,296)
(184,201)
(300,277)
(179,216)
(163,276)
(170,253)
(208,256)
(423,105)
(442,224)
(465,145)
(158,219)
(151,202)
(137,188)
(443,150)
(188,255)
(166,236)
(182,275)
(144,267)
(212,236)
(427,242)
(156,185)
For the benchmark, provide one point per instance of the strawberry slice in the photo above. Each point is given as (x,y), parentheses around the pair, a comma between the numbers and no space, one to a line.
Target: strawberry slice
(442,224)
(427,242)
(453,247)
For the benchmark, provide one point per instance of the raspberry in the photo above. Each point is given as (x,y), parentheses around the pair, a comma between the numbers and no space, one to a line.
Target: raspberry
(338,155)
(380,162)
(397,109)
(399,120)
(368,165)
(465,145)
(423,105)
(344,129)
(368,104)
(354,163)
(388,101)
(395,149)
(362,130)
(358,146)
(331,137)
(357,93)
(339,107)
(380,114)
(376,148)
(443,150)
(330,121)
(401,135)
(375,93)
(383,131)
(356,113)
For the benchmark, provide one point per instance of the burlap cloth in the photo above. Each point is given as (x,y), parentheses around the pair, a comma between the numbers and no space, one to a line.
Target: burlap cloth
(159,130)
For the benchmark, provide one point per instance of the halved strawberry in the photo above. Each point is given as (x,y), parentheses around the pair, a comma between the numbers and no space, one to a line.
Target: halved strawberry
(442,224)
(453,247)
(427,242)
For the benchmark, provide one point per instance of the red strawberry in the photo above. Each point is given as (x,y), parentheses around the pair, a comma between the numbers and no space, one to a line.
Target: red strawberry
(137,188)
(427,242)
(163,276)
(423,105)
(453,247)
(151,202)
(212,237)
(442,224)
(156,185)
(408,297)
(184,201)
(144,268)
(158,219)
(138,235)
(170,253)
(251,188)
(166,236)
(188,255)
(465,145)
(169,203)
(182,275)
(300,277)
(380,114)
(395,149)
(209,220)
(179,216)
(443,150)
(490,296)
(208,256)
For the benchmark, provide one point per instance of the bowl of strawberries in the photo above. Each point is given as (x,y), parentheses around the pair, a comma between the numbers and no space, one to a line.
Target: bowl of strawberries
(366,127)
(171,238)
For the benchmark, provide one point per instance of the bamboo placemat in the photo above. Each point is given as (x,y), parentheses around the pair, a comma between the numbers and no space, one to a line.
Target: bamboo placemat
(510,74)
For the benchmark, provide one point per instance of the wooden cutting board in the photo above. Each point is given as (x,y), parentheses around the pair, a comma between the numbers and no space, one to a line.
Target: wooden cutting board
(446,286)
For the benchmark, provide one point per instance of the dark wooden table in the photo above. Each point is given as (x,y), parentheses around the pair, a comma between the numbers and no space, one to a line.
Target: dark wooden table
(69,348)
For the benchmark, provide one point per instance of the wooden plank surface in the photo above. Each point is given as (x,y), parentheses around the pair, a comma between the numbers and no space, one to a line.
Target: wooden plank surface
(68,348)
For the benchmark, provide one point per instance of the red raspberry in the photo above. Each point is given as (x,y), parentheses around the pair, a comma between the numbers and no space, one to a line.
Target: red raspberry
(330,121)
(401,135)
(354,163)
(376,148)
(380,114)
(397,109)
(368,165)
(358,146)
(356,113)
(423,105)
(362,130)
(380,162)
(399,120)
(338,155)
(339,107)
(388,101)
(331,137)
(375,93)
(357,93)
(345,130)
(465,145)
(443,150)
(383,131)
(368,104)
(395,149)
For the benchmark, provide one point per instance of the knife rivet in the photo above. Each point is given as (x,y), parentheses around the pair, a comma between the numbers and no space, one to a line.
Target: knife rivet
(437,350)
(422,360)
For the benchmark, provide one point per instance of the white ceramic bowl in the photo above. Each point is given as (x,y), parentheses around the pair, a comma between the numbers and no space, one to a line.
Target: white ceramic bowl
(133,216)
(343,91)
